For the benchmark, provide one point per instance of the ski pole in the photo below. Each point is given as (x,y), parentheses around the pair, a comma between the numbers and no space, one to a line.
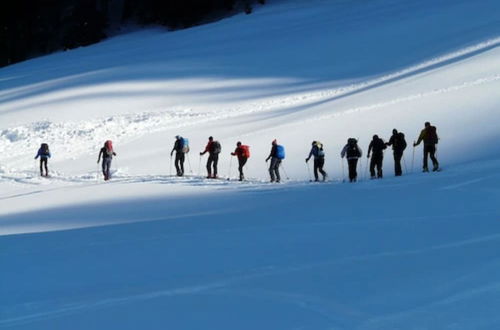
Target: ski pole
(229,171)
(284,171)
(360,164)
(343,171)
(309,171)
(97,173)
(404,162)
(365,173)
(413,158)
(170,166)
(199,167)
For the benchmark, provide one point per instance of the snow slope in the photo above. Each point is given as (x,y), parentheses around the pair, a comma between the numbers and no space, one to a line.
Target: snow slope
(148,250)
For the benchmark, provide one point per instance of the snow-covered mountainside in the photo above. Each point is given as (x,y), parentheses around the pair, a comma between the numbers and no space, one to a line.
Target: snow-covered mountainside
(150,250)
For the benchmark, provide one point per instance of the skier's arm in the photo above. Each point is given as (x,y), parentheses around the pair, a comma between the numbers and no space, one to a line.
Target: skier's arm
(207,148)
(99,158)
(360,151)
(420,138)
(310,154)
(342,153)
(272,153)
(37,154)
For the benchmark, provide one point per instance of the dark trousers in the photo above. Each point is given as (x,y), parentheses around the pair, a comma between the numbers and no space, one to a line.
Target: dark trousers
(353,173)
(213,159)
(241,162)
(397,163)
(376,161)
(179,163)
(274,169)
(43,164)
(106,167)
(430,150)
(318,167)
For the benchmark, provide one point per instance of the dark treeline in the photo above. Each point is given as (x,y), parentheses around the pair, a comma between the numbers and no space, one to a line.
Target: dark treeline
(30,28)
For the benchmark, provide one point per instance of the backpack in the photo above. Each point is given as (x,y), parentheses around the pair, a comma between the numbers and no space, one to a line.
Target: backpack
(318,150)
(401,141)
(216,147)
(280,152)
(109,148)
(184,145)
(432,135)
(45,149)
(245,151)
(352,149)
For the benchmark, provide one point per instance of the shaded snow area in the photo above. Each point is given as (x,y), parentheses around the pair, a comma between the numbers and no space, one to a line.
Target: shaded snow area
(148,250)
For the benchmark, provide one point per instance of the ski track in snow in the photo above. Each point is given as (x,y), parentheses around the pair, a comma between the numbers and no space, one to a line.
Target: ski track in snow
(84,137)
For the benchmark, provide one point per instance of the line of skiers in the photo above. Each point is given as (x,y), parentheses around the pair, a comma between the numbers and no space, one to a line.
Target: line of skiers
(351,151)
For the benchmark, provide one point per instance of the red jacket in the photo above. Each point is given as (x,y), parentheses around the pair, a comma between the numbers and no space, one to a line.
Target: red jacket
(208,147)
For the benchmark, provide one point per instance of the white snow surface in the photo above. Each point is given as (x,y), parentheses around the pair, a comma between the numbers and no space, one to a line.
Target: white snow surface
(148,250)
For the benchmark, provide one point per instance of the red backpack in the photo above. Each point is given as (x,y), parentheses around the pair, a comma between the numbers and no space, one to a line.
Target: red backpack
(245,151)
(109,147)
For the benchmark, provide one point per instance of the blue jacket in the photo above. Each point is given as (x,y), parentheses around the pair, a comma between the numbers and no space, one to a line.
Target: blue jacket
(42,154)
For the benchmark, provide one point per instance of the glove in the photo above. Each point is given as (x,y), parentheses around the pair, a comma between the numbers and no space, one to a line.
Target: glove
(367,156)
(201,153)
(307,159)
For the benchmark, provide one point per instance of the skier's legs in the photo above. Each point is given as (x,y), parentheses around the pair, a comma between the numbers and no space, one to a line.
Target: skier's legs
(432,153)
(210,160)
(277,170)
(316,168)
(183,158)
(380,160)
(216,161)
(397,163)
(321,163)
(241,162)
(353,163)
(372,166)
(41,166)
(426,155)
(271,169)
(180,167)
(45,161)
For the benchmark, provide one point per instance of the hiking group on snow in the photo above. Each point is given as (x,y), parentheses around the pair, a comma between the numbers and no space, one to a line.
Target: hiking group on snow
(351,151)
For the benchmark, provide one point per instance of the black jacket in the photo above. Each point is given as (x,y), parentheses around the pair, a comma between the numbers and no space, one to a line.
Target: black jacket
(377,146)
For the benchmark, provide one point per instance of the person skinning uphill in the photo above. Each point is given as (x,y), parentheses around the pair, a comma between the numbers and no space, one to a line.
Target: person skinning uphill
(107,153)
(377,145)
(430,138)
(243,153)
(181,148)
(276,155)
(319,159)
(213,148)
(44,154)
(352,152)
(398,143)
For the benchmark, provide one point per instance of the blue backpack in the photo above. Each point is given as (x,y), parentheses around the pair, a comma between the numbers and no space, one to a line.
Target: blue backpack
(280,152)
(184,145)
